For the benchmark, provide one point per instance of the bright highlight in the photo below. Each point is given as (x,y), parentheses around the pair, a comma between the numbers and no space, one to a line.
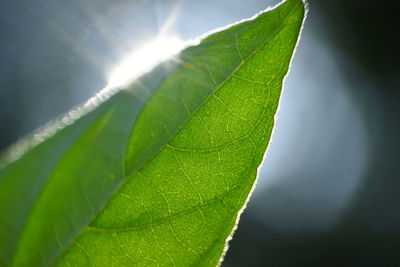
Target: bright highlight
(144,59)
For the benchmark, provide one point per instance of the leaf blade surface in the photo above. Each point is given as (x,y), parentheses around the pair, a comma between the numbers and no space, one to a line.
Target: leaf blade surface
(156,176)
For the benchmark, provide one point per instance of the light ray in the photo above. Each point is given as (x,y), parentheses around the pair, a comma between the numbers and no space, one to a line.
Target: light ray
(142,60)
(164,46)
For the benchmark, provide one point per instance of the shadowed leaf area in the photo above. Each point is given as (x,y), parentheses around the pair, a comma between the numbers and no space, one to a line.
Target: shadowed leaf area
(157,174)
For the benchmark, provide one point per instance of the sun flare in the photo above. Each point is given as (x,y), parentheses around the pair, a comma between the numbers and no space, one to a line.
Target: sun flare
(144,59)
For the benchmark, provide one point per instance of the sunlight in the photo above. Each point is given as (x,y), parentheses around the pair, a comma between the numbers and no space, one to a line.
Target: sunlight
(144,59)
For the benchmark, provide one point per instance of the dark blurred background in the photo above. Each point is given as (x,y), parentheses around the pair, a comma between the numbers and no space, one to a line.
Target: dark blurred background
(329,188)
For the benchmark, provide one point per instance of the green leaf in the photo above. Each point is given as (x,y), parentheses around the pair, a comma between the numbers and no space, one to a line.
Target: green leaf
(158,173)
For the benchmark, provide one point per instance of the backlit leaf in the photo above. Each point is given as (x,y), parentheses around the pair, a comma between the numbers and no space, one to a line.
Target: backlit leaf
(157,173)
